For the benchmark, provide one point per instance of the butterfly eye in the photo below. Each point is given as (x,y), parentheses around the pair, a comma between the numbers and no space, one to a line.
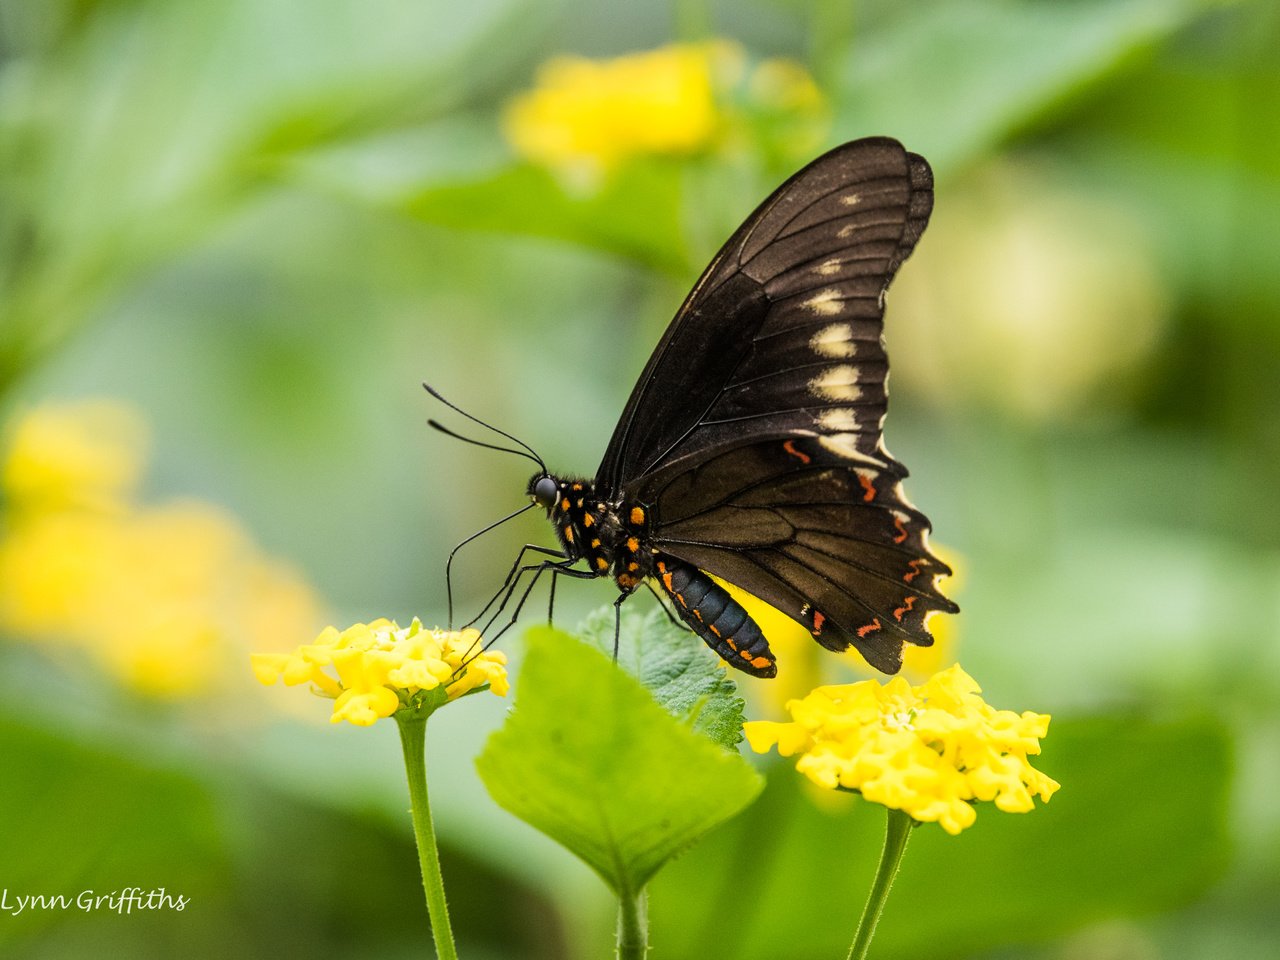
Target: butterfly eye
(546,492)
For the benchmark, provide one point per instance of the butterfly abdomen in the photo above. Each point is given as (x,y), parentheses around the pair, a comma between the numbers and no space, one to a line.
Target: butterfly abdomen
(715,616)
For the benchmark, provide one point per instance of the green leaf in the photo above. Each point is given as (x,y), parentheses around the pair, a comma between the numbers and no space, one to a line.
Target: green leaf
(952,79)
(635,213)
(675,667)
(590,759)
(1139,825)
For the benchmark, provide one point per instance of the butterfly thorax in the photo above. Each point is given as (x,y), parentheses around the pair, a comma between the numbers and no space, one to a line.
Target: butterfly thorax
(613,538)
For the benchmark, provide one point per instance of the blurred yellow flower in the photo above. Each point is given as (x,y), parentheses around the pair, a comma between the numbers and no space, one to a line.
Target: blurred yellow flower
(584,116)
(371,670)
(1027,296)
(930,751)
(164,598)
(83,455)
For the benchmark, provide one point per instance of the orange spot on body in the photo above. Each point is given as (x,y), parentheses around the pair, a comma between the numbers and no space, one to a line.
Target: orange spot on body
(732,646)
(678,596)
(906,606)
(568,534)
(588,520)
(577,486)
(633,544)
(637,515)
(745,655)
(595,543)
(697,613)
(790,447)
(633,566)
(871,627)
(712,628)
(761,662)
(866,485)
(602,563)
(564,504)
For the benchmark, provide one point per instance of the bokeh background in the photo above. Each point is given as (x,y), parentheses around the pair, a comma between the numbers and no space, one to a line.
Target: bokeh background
(235,238)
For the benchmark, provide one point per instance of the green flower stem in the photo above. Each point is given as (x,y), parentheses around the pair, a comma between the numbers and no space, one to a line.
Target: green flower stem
(633,926)
(413,738)
(897,830)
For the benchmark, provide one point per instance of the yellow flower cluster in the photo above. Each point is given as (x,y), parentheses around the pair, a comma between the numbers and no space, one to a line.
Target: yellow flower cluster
(378,667)
(590,114)
(165,598)
(585,117)
(930,751)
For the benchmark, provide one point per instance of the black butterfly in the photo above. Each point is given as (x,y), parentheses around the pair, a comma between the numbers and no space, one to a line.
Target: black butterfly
(750,448)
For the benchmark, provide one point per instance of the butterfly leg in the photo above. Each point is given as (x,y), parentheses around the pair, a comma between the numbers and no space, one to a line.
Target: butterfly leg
(665,609)
(558,568)
(511,575)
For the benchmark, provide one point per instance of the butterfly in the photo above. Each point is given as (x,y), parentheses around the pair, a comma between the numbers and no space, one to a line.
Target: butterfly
(750,449)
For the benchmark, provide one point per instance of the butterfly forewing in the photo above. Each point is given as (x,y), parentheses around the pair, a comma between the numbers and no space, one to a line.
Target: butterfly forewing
(754,433)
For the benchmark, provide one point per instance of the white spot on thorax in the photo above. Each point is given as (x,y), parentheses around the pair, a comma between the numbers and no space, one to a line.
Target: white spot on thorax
(835,340)
(837,383)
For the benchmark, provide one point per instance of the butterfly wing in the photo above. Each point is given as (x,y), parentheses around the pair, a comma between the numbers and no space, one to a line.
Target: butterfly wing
(754,433)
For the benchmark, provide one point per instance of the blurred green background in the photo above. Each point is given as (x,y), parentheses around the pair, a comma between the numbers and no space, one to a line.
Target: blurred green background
(262,223)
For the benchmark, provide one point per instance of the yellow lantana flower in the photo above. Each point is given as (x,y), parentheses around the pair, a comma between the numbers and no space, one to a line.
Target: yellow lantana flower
(930,751)
(163,597)
(585,116)
(371,670)
(85,454)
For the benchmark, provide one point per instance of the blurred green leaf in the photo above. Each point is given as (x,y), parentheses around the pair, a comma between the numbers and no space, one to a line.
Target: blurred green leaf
(674,666)
(590,759)
(635,213)
(1138,825)
(953,79)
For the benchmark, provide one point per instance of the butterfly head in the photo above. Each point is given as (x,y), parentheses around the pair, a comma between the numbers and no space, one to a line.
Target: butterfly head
(544,490)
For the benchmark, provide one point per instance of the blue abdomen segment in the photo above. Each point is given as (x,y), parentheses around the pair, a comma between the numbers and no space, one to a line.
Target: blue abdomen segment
(715,616)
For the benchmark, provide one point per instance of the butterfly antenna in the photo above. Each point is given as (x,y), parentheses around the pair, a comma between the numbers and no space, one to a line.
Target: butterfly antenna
(437,425)
(531,454)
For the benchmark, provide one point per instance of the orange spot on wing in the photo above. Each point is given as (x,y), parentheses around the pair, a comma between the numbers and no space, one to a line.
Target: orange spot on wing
(866,485)
(913,572)
(818,621)
(871,627)
(803,457)
(906,606)
(902,531)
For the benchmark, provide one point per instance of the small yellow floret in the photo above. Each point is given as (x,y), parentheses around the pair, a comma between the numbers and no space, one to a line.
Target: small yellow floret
(589,115)
(371,669)
(931,751)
